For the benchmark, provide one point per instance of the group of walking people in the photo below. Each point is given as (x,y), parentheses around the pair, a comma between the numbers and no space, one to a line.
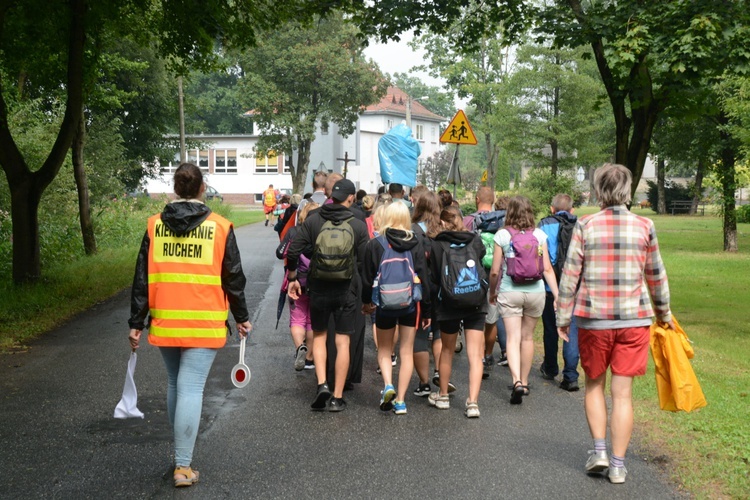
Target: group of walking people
(425,274)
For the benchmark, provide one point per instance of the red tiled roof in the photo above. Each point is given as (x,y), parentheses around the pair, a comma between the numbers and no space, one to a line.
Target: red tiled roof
(394,102)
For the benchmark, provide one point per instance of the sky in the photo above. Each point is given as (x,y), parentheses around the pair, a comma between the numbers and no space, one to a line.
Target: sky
(398,57)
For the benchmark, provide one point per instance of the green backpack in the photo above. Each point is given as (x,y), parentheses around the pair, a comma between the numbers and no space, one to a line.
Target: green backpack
(333,258)
(488,239)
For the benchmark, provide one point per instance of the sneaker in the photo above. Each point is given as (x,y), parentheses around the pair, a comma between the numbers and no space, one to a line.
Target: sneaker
(503,360)
(487,363)
(436,381)
(569,385)
(439,402)
(399,407)
(319,403)
(394,359)
(266,222)
(309,364)
(545,375)
(337,404)
(597,462)
(472,410)
(299,357)
(386,401)
(617,475)
(423,390)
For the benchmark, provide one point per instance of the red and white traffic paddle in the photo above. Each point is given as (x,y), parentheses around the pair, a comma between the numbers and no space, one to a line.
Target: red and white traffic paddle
(240,372)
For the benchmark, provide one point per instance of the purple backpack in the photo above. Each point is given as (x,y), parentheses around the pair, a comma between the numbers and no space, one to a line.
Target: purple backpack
(525,258)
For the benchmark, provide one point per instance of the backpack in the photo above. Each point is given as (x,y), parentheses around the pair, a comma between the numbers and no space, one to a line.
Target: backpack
(397,287)
(489,222)
(463,283)
(486,225)
(333,257)
(525,259)
(564,235)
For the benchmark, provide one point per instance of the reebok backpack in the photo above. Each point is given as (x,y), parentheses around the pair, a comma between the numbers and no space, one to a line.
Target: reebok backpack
(525,258)
(463,281)
(564,235)
(397,287)
(333,257)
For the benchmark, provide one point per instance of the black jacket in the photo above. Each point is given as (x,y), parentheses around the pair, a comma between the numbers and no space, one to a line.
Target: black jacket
(442,242)
(374,254)
(181,217)
(304,243)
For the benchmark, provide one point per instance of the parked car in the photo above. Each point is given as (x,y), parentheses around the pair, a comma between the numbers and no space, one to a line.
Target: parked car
(213,194)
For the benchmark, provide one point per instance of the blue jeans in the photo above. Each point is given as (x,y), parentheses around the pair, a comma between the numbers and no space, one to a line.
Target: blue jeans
(187,371)
(502,337)
(551,341)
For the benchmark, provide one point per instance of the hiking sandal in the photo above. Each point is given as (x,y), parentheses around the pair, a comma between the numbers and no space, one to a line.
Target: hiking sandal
(516,395)
(191,476)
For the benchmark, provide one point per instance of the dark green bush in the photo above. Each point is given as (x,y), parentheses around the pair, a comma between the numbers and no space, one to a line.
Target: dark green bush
(672,192)
(743,214)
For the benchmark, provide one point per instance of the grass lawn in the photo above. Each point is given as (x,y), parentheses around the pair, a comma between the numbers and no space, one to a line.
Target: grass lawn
(708,450)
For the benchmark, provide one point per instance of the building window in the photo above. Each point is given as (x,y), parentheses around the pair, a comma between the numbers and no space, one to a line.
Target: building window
(287,164)
(420,132)
(169,168)
(199,158)
(388,124)
(267,164)
(225,161)
(258,197)
(432,133)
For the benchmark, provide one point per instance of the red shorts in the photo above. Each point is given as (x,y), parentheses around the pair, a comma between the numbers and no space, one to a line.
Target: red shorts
(267,209)
(623,349)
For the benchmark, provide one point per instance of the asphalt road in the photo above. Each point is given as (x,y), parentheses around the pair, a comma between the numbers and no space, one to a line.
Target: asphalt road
(58,438)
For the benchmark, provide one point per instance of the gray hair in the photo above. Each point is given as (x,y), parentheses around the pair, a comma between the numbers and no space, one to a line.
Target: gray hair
(612,184)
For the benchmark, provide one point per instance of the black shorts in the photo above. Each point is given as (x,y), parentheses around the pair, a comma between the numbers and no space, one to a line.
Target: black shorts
(386,322)
(474,321)
(342,306)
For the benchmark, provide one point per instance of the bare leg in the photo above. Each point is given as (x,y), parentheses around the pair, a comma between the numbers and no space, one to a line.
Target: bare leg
(437,349)
(513,346)
(596,406)
(422,366)
(621,424)
(490,337)
(385,341)
(406,351)
(342,364)
(298,335)
(320,355)
(309,340)
(474,351)
(446,360)
(527,347)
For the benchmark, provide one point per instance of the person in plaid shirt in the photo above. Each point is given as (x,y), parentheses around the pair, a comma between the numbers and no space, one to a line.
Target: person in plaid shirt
(615,280)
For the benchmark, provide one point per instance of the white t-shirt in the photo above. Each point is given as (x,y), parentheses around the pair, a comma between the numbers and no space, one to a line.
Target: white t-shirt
(502,239)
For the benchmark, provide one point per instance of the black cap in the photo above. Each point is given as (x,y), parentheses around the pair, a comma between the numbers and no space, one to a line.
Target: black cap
(342,189)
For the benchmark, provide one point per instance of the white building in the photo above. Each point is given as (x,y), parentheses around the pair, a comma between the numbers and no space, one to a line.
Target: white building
(231,167)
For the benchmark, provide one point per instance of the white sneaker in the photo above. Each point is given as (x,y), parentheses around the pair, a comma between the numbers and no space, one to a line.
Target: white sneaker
(617,475)
(472,410)
(438,401)
(597,462)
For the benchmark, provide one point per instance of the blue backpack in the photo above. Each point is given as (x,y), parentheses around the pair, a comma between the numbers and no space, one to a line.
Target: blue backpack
(396,288)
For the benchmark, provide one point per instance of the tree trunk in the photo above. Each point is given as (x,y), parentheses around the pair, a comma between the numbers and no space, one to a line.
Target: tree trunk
(698,188)
(181,106)
(299,174)
(728,181)
(555,159)
(661,198)
(84,207)
(491,158)
(26,187)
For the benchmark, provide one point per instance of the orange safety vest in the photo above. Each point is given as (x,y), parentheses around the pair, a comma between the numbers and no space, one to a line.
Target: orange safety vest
(269,198)
(187,304)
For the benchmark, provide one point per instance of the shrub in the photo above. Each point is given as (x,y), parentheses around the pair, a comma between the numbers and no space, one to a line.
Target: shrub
(540,186)
(672,192)
(743,214)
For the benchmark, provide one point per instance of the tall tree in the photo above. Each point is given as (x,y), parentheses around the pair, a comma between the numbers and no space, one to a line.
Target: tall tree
(45,45)
(299,77)
(437,100)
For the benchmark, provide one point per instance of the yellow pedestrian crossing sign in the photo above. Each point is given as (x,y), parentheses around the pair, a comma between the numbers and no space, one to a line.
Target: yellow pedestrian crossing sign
(459,131)
(484,176)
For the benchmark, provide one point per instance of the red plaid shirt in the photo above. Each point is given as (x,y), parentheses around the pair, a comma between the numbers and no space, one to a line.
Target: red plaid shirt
(613,264)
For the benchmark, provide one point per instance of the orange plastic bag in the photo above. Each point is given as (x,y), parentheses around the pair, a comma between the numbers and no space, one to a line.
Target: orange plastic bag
(676,382)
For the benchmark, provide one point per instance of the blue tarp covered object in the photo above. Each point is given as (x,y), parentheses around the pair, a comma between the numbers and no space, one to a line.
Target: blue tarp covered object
(398,152)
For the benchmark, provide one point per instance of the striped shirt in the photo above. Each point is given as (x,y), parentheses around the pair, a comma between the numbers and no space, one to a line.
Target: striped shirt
(613,272)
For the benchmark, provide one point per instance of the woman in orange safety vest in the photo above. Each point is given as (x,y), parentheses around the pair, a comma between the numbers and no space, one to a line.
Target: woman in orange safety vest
(188,274)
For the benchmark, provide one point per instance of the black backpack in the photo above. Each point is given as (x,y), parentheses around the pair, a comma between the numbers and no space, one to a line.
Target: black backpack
(564,235)
(463,281)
